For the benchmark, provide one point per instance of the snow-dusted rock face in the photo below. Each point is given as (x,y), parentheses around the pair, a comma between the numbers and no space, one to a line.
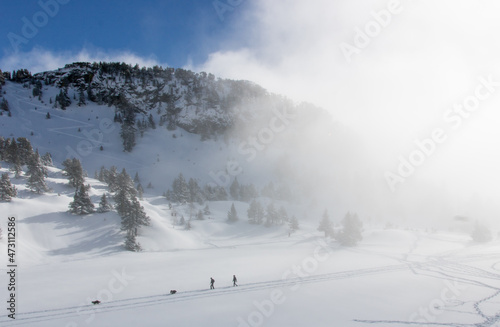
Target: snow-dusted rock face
(196,102)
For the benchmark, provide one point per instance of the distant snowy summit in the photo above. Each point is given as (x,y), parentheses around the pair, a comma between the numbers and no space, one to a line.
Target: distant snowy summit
(175,98)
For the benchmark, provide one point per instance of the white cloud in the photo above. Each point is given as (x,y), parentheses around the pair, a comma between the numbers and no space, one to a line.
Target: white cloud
(427,58)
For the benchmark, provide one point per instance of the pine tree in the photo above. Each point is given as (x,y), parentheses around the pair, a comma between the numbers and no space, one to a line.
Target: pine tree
(481,233)
(128,136)
(253,212)
(232,215)
(7,191)
(195,194)
(180,190)
(104,205)
(188,225)
(81,98)
(133,217)
(73,169)
(326,225)
(350,234)
(36,173)
(206,210)
(82,204)
(11,151)
(24,150)
(47,160)
(12,156)
(271,215)
(2,148)
(111,178)
(128,131)
(122,203)
(131,212)
(130,242)
(125,183)
(136,178)
(294,224)
(248,192)
(4,105)
(63,99)
(140,216)
(199,215)
(140,191)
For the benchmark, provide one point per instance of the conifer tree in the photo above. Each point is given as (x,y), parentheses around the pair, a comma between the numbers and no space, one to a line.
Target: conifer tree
(140,216)
(63,99)
(4,105)
(352,227)
(248,192)
(47,160)
(17,169)
(131,212)
(271,215)
(253,212)
(73,169)
(128,131)
(140,191)
(2,148)
(81,98)
(206,210)
(24,150)
(81,204)
(11,151)
(125,183)
(481,233)
(7,191)
(294,224)
(130,242)
(195,193)
(36,172)
(232,215)
(104,205)
(111,178)
(326,225)
(180,190)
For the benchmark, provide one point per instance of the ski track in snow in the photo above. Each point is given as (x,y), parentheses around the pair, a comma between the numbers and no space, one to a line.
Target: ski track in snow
(448,270)
(435,268)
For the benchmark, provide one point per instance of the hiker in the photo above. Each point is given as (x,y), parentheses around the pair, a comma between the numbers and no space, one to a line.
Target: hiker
(234,281)
(212,281)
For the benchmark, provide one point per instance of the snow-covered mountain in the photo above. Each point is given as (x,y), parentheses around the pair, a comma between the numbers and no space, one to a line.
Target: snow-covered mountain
(236,144)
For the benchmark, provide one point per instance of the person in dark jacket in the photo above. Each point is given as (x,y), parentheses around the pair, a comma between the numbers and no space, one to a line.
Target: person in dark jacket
(234,281)
(212,281)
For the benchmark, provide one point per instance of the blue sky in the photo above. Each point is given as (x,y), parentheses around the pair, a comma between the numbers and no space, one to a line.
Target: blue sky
(172,32)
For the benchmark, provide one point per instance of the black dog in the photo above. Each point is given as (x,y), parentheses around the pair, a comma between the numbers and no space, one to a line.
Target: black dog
(96,302)
(173,291)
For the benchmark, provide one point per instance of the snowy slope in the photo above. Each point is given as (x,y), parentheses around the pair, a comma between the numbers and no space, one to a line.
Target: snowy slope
(395,277)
